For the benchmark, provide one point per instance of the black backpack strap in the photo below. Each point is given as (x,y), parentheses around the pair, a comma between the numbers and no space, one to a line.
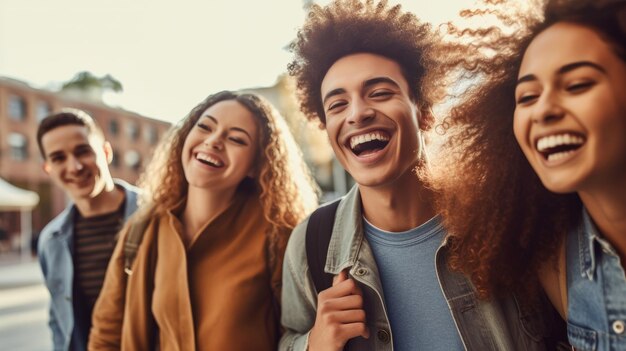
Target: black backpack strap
(318,233)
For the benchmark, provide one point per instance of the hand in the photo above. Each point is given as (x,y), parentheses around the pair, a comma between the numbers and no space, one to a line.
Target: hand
(340,315)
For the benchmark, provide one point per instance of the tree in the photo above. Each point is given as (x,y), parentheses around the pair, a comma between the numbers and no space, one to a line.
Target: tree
(86,81)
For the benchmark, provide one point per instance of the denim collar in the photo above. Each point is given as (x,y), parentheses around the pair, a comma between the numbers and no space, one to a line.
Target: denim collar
(590,245)
(347,237)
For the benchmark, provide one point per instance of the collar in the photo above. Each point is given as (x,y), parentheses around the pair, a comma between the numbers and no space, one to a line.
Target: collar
(590,244)
(347,237)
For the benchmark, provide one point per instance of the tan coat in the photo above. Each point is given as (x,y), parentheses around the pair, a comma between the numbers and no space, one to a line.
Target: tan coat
(213,295)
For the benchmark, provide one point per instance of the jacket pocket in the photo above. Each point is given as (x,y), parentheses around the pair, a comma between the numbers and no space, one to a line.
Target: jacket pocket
(581,338)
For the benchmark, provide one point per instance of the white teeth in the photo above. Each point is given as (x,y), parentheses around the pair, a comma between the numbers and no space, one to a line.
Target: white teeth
(363,138)
(209,158)
(552,141)
(559,155)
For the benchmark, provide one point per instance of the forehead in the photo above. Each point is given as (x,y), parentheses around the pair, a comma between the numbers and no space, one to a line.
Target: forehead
(564,43)
(65,138)
(349,72)
(232,113)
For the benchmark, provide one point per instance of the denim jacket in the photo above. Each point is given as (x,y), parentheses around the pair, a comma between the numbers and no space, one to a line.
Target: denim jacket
(482,325)
(56,259)
(596,291)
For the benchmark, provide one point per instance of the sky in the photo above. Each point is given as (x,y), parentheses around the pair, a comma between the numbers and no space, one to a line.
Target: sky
(167,55)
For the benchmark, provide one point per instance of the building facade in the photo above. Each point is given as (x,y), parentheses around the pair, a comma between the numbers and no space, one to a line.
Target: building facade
(132,136)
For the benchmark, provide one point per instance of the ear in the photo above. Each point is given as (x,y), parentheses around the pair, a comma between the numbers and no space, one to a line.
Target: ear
(426,119)
(46,167)
(108,151)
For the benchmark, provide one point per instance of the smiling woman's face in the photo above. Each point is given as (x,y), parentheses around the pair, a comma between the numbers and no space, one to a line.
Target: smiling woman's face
(570,116)
(220,150)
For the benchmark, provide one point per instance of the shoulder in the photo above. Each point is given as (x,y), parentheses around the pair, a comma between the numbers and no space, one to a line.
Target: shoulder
(131,194)
(296,247)
(129,189)
(55,226)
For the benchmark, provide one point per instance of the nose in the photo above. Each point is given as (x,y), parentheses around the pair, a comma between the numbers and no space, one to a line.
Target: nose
(214,141)
(75,165)
(361,112)
(548,109)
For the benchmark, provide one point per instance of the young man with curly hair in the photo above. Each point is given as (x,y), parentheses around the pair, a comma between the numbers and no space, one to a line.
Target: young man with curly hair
(75,247)
(369,73)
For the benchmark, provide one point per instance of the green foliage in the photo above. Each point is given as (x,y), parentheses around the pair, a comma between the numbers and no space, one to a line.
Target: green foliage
(86,80)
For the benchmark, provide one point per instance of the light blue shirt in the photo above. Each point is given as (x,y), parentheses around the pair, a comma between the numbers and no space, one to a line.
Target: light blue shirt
(418,312)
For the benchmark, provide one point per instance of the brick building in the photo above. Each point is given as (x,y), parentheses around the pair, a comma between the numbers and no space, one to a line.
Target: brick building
(132,136)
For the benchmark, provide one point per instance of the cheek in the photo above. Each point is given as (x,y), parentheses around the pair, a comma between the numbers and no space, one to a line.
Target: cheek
(187,145)
(332,133)
(520,130)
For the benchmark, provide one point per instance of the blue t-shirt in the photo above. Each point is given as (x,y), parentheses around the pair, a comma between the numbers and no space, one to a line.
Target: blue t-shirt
(418,312)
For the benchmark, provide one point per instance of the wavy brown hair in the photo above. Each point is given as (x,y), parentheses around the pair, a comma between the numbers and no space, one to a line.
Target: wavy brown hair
(346,27)
(286,190)
(505,223)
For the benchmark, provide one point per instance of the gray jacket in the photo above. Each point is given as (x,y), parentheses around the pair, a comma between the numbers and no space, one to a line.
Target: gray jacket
(482,325)
(56,259)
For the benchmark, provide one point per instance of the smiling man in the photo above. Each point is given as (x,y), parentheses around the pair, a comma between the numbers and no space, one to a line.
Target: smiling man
(75,247)
(368,73)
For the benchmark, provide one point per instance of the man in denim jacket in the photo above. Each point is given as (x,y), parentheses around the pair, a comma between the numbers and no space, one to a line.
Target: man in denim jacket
(368,73)
(74,248)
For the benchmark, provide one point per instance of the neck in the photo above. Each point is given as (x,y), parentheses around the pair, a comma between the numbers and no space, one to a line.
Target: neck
(607,208)
(403,205)
(203,206)
(107,201)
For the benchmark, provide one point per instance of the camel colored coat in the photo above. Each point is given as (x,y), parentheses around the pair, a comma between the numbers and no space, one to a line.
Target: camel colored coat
(214,294)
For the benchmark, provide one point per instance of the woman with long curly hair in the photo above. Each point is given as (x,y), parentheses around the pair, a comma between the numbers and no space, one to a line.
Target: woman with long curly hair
(539,153)
(222,193)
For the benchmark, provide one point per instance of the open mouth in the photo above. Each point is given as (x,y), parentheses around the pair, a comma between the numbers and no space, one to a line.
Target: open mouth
(368,143)
(558,146)
(209,160)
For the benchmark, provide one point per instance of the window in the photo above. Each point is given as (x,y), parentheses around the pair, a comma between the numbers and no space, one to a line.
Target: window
(114,127)
(151,134)
(132,159)
(42,110)
(19,146)
(17,108)
(132,130)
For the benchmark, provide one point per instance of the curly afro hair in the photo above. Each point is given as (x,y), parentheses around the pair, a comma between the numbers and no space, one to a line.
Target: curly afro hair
(507,225)
(347,27)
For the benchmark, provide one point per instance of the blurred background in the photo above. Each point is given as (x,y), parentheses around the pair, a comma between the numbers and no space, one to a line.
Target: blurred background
(137,67)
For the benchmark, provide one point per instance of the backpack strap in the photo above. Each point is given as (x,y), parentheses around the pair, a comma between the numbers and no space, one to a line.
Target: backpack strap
(318,233)
(133,240)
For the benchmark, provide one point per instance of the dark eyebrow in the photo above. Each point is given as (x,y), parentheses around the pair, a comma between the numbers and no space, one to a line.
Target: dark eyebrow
(378,80)
(211,118)
(241,130)
(54,153)
(332,93)
(567,68)
(526,78)
(237,129)
(366,84)
(572,66)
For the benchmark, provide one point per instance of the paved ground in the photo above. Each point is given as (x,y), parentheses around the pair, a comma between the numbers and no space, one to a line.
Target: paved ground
(23,306)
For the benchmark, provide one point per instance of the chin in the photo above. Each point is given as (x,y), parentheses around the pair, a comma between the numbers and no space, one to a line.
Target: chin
(560,186)
(371,180)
